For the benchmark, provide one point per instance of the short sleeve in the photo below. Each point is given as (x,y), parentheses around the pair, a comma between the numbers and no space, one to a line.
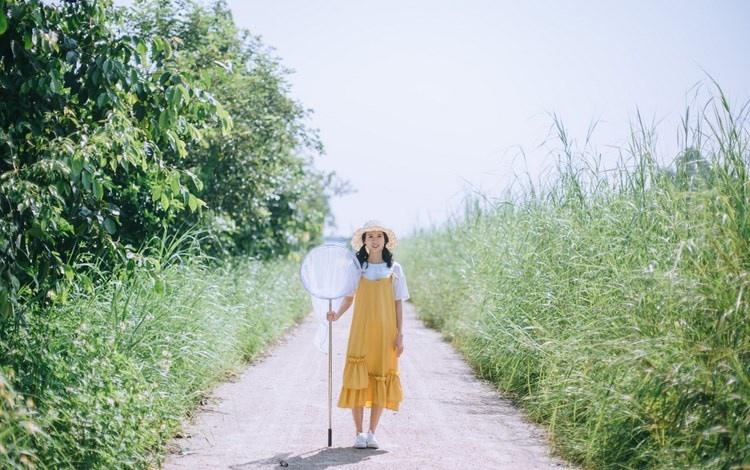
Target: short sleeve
(353,283)
(400,290)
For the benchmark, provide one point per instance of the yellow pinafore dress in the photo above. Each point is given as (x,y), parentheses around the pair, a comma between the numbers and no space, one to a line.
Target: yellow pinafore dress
(371,370)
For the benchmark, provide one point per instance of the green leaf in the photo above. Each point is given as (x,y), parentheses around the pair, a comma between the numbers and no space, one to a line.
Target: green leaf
(14,282)
(175,96)
(98,189)
(102,100)
(193,203)
(174,183)
(170,92)
(3,23)
(54,85)
(164,119)
(109,226)
(5,307)
(141,47)
(157,44)
(76,165)
(64,226)
(156,192)
(181,149)
(167,49)
(86,180)
(69,273)
(107,66)
(196,181)
(133,77)
(184,93)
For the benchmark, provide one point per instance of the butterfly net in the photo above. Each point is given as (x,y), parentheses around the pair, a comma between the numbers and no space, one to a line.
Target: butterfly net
(328,272)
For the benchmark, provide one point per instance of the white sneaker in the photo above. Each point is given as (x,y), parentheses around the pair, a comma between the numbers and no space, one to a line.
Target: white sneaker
(361,441)
(372,443)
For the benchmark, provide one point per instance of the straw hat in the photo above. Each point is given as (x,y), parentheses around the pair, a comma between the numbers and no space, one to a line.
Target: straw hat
(373,226)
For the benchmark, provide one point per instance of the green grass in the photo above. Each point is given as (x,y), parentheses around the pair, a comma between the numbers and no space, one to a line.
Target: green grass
(612,306)
(104,380)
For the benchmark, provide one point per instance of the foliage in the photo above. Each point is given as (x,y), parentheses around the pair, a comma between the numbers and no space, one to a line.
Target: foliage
(105,380)
(93,130)
(264,196)
(612,305)
(117,140)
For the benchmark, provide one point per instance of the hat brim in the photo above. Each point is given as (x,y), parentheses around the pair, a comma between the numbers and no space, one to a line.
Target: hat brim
(357,237)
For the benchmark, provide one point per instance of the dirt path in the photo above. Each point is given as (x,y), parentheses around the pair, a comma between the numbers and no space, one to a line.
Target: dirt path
(278,410)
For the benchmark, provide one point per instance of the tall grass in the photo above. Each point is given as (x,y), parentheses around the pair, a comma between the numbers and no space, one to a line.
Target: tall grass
(612,305)
(103,380)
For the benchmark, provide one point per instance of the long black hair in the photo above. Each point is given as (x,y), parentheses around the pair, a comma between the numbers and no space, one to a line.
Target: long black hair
(362,253)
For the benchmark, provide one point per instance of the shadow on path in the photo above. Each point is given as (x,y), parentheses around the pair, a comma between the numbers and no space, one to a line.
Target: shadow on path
(323,457)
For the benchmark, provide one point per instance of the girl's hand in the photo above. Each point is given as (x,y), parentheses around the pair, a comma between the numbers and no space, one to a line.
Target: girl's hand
(331,316)
(399,344)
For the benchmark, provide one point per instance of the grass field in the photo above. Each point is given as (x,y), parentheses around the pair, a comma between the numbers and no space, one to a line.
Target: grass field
(104,380)
(613,306)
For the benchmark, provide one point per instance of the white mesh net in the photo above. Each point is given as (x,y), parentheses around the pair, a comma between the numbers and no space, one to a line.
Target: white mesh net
(328,271)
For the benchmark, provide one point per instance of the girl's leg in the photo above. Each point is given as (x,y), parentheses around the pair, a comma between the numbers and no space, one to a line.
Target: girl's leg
(375,413)
(358,414)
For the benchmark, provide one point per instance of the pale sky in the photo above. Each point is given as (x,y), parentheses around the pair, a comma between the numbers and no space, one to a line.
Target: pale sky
(419,101)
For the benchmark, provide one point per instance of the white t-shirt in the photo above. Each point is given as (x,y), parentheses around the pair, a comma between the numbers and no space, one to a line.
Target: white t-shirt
(375,271)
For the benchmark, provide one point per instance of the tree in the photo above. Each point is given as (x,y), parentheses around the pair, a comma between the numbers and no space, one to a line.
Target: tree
(264,196)
(92,132)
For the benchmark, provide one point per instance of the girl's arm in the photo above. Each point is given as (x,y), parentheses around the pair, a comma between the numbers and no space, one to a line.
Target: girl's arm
(398,344)
(345,304)
(399,317)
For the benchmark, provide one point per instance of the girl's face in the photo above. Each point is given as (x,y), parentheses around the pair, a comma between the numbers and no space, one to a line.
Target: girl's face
(374,241)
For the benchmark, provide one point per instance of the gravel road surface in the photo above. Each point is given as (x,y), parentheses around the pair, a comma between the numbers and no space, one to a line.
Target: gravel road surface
(275,414)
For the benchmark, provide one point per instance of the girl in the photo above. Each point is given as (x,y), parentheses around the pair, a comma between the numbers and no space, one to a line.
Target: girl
(376,339)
